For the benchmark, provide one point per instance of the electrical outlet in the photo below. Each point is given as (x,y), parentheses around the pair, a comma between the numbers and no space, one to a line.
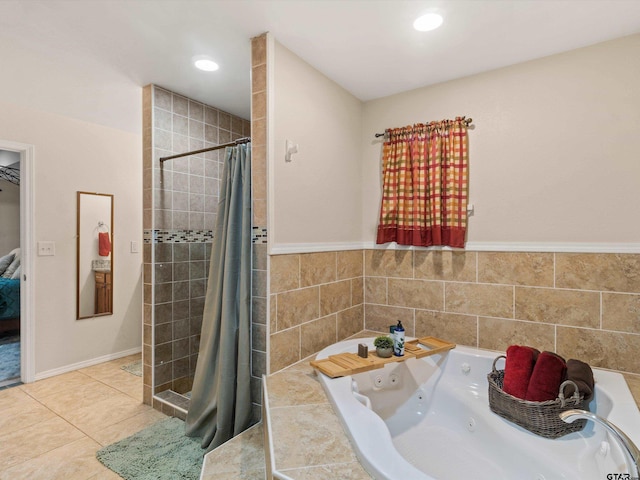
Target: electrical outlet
(46,249)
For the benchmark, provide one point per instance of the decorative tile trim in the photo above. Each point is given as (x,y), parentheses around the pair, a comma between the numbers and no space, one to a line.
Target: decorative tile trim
(259,235)
(178,236)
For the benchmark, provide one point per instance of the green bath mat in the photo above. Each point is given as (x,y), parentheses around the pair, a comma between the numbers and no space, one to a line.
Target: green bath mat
(134,368)
(159,452)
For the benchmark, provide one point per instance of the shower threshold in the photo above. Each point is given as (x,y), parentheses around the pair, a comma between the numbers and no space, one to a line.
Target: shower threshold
(176,400)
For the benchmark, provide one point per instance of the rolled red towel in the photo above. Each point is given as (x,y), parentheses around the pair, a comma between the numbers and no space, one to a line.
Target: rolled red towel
(518,368)
(548,373)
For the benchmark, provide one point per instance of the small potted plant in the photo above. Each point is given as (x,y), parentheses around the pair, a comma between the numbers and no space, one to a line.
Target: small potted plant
(384,346)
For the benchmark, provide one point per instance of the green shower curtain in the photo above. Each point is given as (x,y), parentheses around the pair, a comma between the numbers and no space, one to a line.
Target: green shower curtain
(220,399)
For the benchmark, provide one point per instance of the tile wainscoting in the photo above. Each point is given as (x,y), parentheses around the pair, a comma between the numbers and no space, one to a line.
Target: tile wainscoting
(582,305)
(316,299)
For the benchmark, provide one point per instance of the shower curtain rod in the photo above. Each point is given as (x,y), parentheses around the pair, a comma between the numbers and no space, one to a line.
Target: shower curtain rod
(203,150)
(466,120)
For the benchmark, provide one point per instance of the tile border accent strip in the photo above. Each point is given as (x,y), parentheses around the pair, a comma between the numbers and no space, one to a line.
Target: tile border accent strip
(177,236)
(259,235)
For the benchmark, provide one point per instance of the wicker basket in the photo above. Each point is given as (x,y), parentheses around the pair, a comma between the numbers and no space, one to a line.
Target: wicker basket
(541,418)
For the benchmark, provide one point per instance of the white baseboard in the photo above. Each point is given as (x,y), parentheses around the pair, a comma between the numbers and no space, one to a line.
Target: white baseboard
(86,363)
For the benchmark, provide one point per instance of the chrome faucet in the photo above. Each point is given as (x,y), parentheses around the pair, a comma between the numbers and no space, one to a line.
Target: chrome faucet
(631,451)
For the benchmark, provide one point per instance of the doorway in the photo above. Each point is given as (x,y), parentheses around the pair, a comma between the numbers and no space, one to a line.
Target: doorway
(16,299)
(9,267)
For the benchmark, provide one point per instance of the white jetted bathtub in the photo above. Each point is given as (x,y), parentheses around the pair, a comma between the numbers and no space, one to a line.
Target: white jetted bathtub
(429,418)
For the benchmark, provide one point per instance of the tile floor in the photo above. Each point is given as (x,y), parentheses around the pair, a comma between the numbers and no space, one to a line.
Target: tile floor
(52,429)
(241,458)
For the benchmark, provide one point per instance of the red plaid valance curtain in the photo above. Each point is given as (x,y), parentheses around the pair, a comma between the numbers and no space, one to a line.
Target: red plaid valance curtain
(425,185)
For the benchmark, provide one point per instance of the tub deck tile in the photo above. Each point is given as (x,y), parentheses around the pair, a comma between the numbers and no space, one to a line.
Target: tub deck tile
(289,388)
(633,382)
(308,435)
(343,471)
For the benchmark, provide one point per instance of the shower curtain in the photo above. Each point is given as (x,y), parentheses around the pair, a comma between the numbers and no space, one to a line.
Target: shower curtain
(220,398)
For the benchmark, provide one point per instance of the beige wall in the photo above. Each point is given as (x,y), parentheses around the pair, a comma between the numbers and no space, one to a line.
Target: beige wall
(72,155)
(86,129)
(553,153)
(315,198)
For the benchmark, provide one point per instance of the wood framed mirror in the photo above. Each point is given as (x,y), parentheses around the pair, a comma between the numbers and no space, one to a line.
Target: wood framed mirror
(94,285)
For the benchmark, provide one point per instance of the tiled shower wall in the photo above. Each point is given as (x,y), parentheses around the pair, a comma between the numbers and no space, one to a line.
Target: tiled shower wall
(584,306)
(259,197)
(180,202)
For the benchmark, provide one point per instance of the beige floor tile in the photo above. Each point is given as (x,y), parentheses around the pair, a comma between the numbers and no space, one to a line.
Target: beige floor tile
(74,461)
(11,397)
(111,374)
(128,427)
(106,474)
(58,384)
(101,370)
(124,382)
(80,397)
(23,414)
(113,377)
(92,419)
(108,368)
(30,442)
(43,424)
(134,390)
(239,456)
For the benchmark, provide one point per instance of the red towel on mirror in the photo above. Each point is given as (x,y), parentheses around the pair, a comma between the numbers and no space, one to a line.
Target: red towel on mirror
(518,369)
(547,376)
(104,244)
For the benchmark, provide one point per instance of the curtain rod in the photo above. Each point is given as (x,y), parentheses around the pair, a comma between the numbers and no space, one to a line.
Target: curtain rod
(466,120)
(239,141)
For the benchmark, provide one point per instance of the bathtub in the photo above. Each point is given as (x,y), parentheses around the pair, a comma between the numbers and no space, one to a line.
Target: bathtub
(429,418)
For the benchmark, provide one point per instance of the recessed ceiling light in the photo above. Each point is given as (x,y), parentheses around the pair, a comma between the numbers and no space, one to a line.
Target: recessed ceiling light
(205,63)
(427,22)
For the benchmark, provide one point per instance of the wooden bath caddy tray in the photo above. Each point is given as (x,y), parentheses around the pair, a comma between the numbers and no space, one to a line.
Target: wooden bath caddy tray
(344,364)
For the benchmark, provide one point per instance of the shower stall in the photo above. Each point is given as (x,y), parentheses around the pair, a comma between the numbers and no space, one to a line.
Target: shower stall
(180,208)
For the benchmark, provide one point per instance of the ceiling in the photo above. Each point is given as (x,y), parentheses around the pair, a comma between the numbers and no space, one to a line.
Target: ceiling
(367,46)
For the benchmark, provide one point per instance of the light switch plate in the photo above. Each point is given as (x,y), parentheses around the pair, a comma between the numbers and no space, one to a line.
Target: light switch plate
(46,249)
(134,247)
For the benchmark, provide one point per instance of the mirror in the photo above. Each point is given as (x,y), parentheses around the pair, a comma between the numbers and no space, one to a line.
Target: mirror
(94,286)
